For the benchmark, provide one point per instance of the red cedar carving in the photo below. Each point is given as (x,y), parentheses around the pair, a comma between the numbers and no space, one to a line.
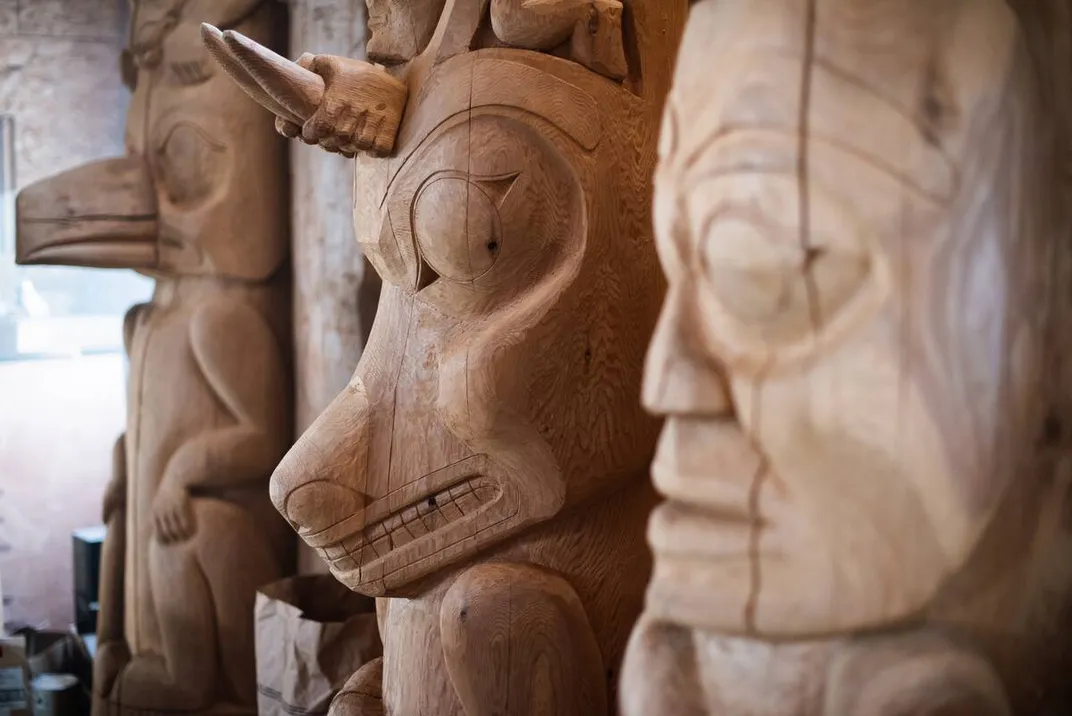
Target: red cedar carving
(199,203)
(862,365)
(486,471)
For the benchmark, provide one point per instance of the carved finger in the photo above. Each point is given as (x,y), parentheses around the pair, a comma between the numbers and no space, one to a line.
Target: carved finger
(163,529)
(174,522)
(219,50)
(330,144)
(287,128)
(317,129)
(370,135)
(292,86)
(346,127)
(182,528)
(355,137)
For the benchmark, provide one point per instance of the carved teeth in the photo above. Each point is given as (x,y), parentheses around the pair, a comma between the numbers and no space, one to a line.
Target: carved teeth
(412,522)
(291,88)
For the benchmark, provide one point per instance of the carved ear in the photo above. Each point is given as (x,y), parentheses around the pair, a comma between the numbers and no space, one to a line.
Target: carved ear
(277,84)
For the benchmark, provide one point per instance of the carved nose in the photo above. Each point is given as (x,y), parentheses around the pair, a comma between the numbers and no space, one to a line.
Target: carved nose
(682,377)
(320,483)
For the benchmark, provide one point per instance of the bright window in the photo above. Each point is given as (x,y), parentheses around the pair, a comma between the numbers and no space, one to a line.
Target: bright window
(50,311)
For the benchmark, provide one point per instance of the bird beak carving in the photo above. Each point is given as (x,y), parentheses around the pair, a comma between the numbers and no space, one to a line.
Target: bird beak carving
(284,88)
(99,215)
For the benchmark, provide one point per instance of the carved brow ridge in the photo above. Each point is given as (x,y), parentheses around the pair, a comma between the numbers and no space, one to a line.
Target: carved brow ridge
(787,164)
(941,188)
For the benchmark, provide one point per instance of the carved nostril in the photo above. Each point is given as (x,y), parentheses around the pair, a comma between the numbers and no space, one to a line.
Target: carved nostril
(320,505)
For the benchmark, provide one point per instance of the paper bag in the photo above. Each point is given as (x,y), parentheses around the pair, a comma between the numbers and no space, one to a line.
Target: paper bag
(312,635)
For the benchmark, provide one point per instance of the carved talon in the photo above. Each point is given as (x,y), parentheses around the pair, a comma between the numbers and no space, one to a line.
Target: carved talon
(282,87)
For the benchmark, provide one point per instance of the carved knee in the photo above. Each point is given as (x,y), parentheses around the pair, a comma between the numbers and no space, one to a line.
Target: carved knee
(362,695)
(918,674)
(516,640)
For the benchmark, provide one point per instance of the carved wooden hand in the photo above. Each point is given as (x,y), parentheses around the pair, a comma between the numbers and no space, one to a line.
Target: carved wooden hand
(342,105)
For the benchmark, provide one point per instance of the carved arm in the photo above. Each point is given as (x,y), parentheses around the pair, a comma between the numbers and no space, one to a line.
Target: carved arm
(240,359)
(341,104)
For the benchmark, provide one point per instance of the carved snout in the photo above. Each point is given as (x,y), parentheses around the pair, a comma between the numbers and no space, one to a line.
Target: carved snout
(319,487)
(284,88)
(100,215)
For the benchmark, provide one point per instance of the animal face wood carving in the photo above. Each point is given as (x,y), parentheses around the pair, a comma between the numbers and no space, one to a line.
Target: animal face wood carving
(198,203)
(856,229)
(485,255)
(491,450)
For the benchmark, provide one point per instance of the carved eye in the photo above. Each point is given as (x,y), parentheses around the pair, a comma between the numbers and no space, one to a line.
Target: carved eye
(458,228)
(190,164)
(777,283)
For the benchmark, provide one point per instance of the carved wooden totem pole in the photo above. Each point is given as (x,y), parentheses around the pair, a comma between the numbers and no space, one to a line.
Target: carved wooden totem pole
(485,471)
(199,203)
(862,367)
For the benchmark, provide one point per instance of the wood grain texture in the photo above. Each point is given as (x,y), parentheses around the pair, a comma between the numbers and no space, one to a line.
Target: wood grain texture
(492,435)
(593,29)
(863,222)
(335,288)
(198,203)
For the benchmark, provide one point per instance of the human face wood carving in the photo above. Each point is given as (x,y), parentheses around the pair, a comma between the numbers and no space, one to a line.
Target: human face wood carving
(848,355)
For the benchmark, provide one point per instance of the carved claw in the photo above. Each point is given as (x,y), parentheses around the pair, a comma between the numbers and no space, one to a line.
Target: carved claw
(282,87)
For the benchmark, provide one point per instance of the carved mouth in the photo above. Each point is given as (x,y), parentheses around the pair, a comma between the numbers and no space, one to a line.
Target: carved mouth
(417,520)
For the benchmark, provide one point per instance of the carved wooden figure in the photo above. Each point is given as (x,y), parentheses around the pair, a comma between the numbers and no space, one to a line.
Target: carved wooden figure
(199,203)
(485,471)
(862,368)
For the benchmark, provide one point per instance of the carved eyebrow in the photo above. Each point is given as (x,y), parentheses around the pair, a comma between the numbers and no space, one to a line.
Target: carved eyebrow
(917,163)
(718,160)
(475,81)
